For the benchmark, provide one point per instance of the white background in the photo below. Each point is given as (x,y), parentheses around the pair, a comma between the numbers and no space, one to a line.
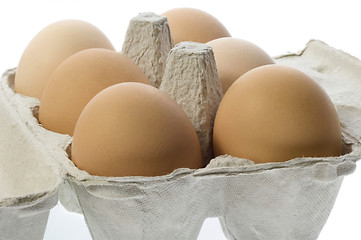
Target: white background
(276,26)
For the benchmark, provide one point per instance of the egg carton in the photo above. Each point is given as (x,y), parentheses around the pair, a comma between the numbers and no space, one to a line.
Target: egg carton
(269,201)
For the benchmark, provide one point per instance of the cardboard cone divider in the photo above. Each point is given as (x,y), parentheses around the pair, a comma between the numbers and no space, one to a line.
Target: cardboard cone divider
(273,201)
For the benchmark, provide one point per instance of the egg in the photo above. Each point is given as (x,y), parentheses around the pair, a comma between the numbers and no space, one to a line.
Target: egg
(49,48)
(190,24)
(77,80)
(275,113)
(133,129)
(234,57)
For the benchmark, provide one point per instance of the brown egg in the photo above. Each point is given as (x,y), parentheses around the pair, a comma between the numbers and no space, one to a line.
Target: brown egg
(189,24)
(49,48)
(234,57)
(276,113)
(77,80)
(133,129)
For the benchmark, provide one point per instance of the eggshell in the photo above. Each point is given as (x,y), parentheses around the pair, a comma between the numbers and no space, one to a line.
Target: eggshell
(49,48)
(276,113)
(234,57)
(189,24)
(133,129)
(77,80)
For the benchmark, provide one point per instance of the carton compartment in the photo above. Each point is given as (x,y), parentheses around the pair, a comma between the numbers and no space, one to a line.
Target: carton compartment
(25,168)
